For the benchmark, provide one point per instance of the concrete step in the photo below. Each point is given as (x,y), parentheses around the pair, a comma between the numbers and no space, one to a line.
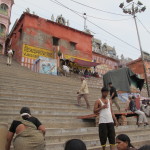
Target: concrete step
(34,76)
(17,107)
(20,83)
(44,87)
(136,144)
(65,81)
(33,82)
(48,95)
(46,105)
(58,138)
(59,122)
(93,130)
(53,102)
(50,92)
(43,103)
(46,112)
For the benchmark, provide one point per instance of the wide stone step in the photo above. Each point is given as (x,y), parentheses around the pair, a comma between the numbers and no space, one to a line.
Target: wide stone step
(12,72)
(58,138)
(62,82)
(43,87)
(41,92)
(41,77)
(7,101)
(59,122)
(45,112)
(91,130)
(48,84)
(42,114)
(29,101)
(52,100)
(17,107)
(38,83)
(19,68)
(11,104)
(38,96)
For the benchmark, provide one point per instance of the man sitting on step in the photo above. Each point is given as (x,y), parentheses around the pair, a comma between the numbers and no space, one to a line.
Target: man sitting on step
(133,108)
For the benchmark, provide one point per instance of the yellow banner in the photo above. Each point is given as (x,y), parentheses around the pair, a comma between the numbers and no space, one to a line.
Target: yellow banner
(69,57)
(35,52)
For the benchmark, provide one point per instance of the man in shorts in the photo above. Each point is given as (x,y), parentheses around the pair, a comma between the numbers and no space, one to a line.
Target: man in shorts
(103,107)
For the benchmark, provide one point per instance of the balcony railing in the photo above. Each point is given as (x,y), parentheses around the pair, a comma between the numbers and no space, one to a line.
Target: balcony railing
(4,12)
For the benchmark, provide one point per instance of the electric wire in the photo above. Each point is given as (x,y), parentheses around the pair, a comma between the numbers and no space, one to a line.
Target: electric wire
(143,26)
(98,9)
(55,1)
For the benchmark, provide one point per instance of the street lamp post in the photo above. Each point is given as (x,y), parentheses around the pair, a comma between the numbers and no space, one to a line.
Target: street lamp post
(136,8)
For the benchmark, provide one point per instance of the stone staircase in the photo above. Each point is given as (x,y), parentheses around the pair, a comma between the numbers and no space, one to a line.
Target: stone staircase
(52,99)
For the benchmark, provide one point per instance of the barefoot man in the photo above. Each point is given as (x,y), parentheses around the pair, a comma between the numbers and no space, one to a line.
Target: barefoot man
(83,92)
(103,107)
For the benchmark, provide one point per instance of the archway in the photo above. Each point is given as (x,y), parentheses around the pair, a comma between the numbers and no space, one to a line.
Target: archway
(2,30)
(1,48)
(4,9)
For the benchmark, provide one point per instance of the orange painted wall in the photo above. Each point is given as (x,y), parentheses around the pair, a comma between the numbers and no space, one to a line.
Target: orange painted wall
(17,42)
(137,67)
(38,32)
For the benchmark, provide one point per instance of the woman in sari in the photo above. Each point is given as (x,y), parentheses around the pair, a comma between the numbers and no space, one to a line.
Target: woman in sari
(29,132)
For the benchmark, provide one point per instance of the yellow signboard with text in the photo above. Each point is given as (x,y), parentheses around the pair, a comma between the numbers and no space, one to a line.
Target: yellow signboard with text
(35,52)
(74,57)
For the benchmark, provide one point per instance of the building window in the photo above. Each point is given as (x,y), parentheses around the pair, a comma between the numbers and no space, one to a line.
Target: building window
(2,30)
(4,9)
(55,41)
(1,47)
(21,32)
(72,46)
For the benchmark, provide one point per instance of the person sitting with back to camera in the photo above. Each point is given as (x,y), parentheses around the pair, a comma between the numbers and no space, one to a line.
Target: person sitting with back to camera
(29,132)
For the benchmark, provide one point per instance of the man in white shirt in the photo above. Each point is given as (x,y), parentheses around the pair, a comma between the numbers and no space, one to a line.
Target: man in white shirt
(66,69)
(9,57)
(103,107)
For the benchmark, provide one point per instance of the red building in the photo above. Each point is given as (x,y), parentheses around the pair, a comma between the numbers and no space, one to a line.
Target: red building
(33,36)
(106,63)
(137,67)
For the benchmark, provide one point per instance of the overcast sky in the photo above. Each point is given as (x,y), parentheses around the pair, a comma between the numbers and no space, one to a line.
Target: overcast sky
(120,26)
